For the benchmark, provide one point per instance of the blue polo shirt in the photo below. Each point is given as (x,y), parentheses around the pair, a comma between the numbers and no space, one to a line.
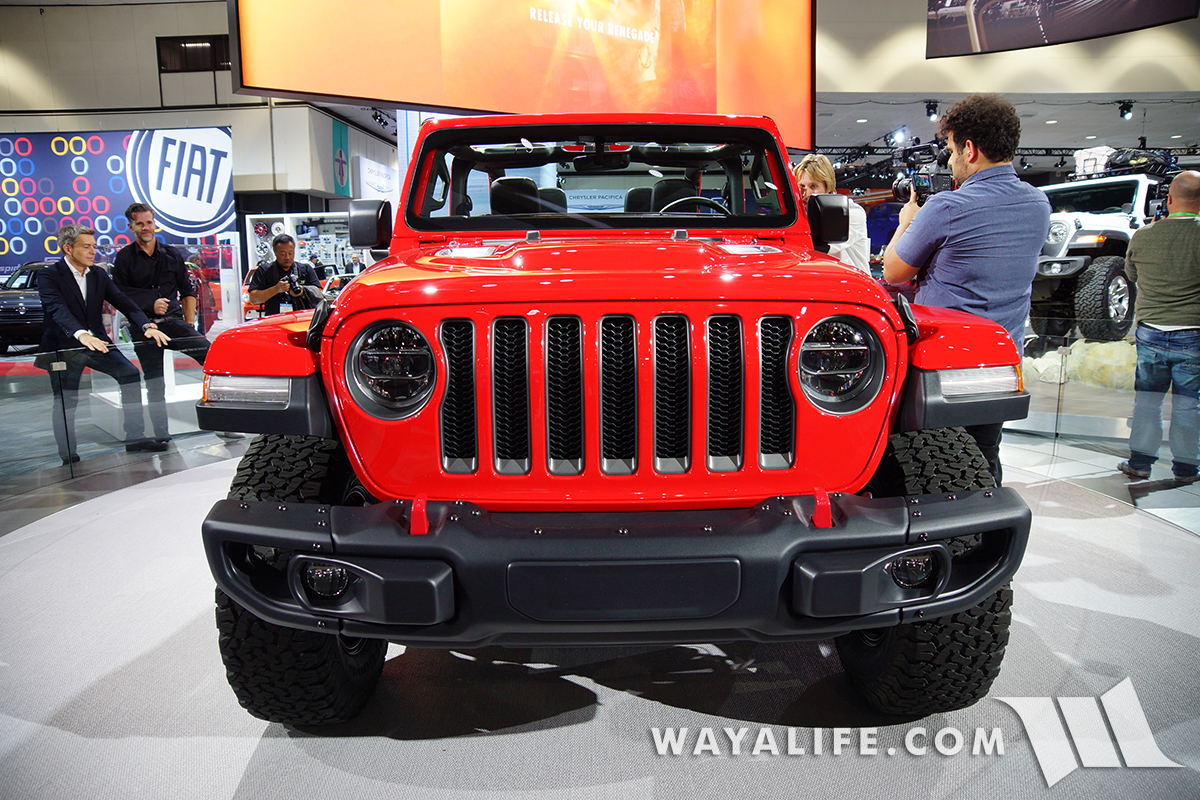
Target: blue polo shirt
(978,247)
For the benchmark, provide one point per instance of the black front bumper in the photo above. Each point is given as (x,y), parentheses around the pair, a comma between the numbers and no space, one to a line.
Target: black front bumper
(765,573)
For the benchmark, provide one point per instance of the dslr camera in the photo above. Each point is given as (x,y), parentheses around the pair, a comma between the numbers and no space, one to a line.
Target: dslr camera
(927,170)
(293,282)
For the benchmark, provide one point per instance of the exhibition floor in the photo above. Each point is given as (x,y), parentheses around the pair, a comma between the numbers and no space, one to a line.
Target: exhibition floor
(111,685)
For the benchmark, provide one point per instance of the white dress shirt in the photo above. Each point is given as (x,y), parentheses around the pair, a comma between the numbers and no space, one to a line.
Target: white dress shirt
(81,279)
(856,250)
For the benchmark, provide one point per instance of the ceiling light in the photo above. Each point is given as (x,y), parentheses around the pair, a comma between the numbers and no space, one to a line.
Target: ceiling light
(895,138)
(1177,136)
(931,110)
(860,120)
(1051,122)
(1089,137)
(1126,109)
(1024,163)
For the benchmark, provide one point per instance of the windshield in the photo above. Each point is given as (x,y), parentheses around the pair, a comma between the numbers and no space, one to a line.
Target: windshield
(612,176)
(1110,198)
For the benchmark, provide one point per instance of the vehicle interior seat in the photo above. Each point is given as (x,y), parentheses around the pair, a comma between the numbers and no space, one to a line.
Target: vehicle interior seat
(668,190)
(554,200)
(515,195)
(637,199)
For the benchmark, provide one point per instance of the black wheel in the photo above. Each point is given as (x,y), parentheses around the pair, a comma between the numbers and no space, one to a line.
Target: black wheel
(1051,326)
(1104,298)
(947,663)
(286,675)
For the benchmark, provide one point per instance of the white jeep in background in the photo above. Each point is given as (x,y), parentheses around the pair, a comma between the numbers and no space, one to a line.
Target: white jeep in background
(1081,272)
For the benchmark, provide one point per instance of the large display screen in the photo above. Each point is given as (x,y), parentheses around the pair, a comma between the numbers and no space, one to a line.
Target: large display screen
(48,180)
(720,56)
(961,27)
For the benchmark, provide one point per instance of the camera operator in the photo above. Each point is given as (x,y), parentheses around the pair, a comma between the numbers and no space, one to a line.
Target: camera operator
(278,285)
(976,248)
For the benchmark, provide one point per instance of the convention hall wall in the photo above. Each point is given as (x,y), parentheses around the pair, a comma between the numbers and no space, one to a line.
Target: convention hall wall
(75,68)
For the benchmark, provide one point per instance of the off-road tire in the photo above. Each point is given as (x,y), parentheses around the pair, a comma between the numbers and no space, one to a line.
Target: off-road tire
(948,663)
(1058,327)
(286,675)
(1098,300)
(295,677)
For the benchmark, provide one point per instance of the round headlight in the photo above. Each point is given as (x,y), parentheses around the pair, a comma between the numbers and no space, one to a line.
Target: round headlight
(1058,232)
(841,365)
(391,370)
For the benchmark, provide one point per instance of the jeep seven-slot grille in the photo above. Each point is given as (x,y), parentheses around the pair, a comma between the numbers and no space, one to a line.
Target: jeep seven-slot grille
(672,395)
(460,452)
(564,395)
(510,395)
(777,409)
(566,348)
(618,396)
(724,394)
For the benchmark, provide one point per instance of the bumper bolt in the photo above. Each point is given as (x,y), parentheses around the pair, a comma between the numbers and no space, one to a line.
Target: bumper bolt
(537,531)
(766,506)
(476,513)
(454,517)
(913,501)
(321,523)
(623,531)
(243,505)
(988,493)
(322,623)
(787,513)
(458,502)
(924,537)
(920,613)
(916,513)
(708,528)
(316,545)
(283,508)
(322,510)
(951,497)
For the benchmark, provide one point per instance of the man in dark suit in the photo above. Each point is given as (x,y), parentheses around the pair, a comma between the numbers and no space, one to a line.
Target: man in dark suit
(73,292)
(154,276)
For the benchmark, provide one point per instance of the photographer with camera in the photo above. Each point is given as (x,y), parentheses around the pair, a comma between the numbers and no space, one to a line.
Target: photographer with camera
(279,285)
(976,248)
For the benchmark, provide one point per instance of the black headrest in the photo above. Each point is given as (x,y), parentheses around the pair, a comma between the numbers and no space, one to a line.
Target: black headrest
(515,195)
(554,201)
(668,190)
(637,199)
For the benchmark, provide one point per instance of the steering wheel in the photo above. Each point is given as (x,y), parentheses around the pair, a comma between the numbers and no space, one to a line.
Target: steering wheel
(699,201)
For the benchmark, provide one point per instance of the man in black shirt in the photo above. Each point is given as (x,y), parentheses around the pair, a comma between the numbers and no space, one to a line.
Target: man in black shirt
(270,285)
(154,276)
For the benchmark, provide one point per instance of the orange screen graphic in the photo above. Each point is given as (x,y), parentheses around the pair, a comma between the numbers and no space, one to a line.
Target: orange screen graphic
(724,56)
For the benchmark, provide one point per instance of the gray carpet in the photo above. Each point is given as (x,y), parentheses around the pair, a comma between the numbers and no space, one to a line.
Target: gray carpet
(111,685)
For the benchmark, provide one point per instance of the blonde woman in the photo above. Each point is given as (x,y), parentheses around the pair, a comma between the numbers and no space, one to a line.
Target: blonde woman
(815,175)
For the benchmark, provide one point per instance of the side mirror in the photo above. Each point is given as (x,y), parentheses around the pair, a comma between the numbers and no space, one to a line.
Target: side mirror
(829,218)
(370,224)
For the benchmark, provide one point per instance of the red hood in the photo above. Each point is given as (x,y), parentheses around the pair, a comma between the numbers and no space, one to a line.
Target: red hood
(601,269)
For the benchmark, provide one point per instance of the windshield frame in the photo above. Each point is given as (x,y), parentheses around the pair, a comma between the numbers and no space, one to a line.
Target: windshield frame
(774,164)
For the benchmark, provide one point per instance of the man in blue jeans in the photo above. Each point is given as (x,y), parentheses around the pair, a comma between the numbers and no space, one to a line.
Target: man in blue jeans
(1164,261)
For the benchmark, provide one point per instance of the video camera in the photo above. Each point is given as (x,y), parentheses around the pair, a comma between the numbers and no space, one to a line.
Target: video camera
(927,171)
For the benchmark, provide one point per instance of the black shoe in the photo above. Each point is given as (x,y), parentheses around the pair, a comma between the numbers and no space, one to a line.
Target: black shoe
(146,446)
(162,439)
(74,459)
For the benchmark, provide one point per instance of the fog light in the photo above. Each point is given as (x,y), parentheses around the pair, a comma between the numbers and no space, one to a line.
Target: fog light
(326,580)
(910,571)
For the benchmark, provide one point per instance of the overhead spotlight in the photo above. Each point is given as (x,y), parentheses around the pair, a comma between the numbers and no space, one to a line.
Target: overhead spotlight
(1024,163)
(837,164)
(931,110)
(1126,109)
(895,138)
(1142,142)
(1062,162)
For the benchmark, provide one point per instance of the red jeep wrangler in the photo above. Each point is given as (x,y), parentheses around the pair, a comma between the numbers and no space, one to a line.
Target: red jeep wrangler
(605,389)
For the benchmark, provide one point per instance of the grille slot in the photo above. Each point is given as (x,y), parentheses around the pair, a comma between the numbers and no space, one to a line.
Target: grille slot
(510,395)
(564,395)
(460,451)
(777,407)
(672,395)
(725,391)
(618,395)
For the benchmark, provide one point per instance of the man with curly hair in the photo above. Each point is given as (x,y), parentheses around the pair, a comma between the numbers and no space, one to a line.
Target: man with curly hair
(976,249)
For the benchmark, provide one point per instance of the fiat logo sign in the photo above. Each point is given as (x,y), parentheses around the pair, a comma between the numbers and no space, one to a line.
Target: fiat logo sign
(186,176)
